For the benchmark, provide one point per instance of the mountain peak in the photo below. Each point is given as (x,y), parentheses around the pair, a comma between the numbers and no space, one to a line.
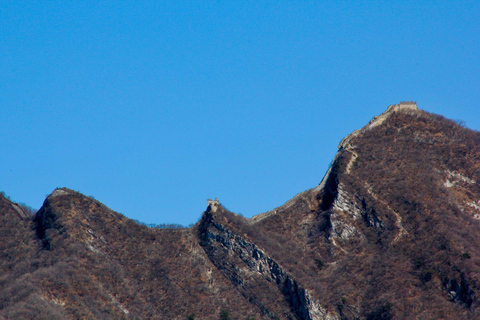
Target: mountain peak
(404,106)
(408,107)
(394,225)
(60,192)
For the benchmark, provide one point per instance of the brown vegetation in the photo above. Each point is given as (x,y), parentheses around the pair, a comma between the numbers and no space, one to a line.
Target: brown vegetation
(392,234)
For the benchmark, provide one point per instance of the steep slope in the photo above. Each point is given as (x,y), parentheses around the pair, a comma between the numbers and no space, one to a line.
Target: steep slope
(394,224)
(19,296)
(391,232)
(99,264)
(256,275)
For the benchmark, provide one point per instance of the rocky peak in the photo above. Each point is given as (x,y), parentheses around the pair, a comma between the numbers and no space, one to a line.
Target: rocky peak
(60,192)
(251,270)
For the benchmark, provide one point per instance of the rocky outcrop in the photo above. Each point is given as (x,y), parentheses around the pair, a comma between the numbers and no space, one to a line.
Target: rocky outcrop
(244,263)
(44,220)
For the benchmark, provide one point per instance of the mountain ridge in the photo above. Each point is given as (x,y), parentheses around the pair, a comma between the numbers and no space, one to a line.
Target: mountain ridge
(390,232)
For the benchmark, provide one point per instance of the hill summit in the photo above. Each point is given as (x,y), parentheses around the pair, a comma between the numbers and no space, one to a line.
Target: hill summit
(392,231)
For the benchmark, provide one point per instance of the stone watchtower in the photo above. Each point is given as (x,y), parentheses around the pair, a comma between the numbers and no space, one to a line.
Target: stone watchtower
(408,105)
(213,204)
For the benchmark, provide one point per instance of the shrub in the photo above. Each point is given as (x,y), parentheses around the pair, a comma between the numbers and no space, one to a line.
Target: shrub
(224,315)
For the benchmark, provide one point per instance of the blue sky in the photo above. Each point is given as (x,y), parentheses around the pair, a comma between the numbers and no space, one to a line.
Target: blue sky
(154,106)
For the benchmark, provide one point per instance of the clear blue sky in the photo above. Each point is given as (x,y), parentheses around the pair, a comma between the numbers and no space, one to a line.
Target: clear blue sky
(154,106)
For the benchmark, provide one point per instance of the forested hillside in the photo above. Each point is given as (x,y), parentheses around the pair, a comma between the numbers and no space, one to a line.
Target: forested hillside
(391,232)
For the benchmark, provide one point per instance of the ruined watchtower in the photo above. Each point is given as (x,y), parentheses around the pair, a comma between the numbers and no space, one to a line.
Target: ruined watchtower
(213,204)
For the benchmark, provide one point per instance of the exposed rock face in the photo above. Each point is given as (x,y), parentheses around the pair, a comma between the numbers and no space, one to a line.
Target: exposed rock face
(394,204)
(392,231)
(244,263)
